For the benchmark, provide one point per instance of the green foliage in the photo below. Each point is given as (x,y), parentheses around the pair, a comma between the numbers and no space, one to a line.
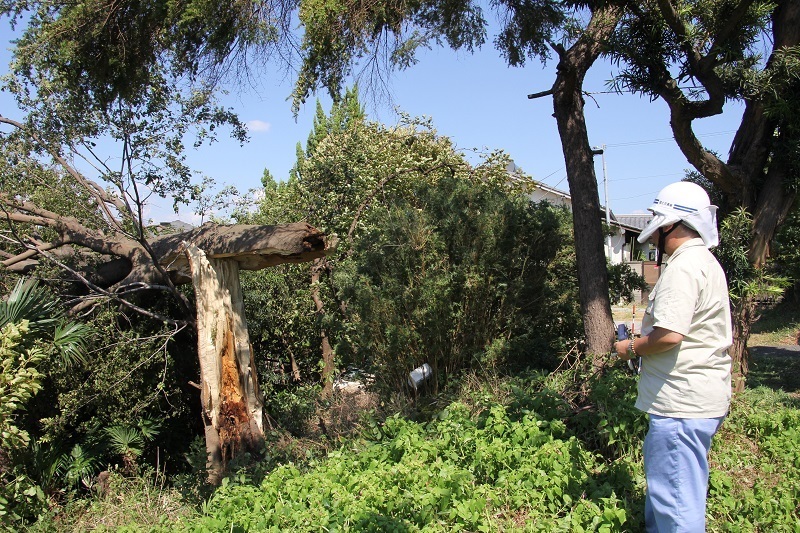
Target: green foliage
(438,262)
(645,42)
(786,251)
(756,487)
(522,463)
(339,33)
(293,406)
(91,55)
(375,186)
(533,452)
(29,301)
(128,380)
(138,371)
(126,441)
(457,472)
(20,380)
(439,279)
(528,29)
(745,280)
(778,324)
(147,500)
(613,426)
(33,328)
(622,281)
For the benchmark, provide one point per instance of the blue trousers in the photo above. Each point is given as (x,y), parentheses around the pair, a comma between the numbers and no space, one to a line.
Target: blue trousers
(676,470)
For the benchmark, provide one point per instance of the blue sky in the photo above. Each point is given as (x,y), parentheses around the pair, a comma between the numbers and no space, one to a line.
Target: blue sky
(480,103)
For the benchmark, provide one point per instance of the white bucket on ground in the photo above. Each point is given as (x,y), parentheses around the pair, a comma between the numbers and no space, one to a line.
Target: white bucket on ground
(420,374)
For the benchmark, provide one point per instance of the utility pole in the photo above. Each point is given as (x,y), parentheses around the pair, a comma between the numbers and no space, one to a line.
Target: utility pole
(602,152)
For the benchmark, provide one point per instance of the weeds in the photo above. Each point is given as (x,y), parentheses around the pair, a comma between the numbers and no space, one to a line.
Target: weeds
(145,500)
(777,325)
(522,453)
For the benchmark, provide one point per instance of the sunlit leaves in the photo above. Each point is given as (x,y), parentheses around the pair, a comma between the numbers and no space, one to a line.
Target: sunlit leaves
(339,33)
(30,302)
(458,472)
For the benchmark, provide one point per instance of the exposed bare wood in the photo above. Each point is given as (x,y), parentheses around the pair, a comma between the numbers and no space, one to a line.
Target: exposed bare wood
(232,408)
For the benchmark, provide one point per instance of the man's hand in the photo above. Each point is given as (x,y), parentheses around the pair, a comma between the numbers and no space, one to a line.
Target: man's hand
(659,340)
(621,347)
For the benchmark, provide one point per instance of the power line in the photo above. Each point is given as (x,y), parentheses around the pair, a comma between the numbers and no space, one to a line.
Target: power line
(553,172)
(667,139)
(637,196)
(646,177)
(639,143)
(559,182)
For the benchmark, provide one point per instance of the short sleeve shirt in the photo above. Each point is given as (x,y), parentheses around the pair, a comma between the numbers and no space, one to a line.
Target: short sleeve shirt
(693,379)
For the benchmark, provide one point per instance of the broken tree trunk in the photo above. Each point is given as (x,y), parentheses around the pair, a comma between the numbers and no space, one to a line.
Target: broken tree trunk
(231,403)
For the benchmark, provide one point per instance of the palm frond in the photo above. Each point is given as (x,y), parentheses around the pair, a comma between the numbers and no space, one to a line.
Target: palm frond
(30,301)
(80,464)
(125,440)
(149,428)
(46,463)
(71,339)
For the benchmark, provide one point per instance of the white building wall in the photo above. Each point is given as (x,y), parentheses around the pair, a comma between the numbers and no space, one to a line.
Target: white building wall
(539,194)
(618,252)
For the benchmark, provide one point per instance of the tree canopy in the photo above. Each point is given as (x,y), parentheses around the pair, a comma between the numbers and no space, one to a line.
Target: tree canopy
(699,56)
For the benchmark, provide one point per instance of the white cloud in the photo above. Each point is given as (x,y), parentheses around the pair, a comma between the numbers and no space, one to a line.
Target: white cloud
(255,126)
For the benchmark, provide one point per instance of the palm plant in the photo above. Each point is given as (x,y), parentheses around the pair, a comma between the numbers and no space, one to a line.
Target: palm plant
(80,465)
(46,321)
(45,463)
(129,441)
(32,326)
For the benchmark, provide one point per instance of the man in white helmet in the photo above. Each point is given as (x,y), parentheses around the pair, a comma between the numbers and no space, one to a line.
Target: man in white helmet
(685,379)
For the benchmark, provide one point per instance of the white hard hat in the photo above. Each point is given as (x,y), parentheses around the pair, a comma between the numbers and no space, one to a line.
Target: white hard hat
(684,202)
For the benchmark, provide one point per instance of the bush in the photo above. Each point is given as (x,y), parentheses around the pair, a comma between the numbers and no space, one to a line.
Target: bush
(623,281)
(459,472)
(457,278)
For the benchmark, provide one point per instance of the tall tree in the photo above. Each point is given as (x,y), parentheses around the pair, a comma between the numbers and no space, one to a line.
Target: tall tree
(699,56)
(567,93)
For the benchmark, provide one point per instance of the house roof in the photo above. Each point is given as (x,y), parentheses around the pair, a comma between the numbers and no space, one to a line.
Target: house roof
(635,220)
(631,222)
(552,190)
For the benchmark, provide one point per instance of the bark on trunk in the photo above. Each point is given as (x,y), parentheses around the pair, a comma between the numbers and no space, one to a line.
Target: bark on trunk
(774,203)
(231,403)
(568,104)
(317,267)
(743,318)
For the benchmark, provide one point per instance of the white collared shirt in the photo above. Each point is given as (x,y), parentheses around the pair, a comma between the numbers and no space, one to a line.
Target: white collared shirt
(693,379)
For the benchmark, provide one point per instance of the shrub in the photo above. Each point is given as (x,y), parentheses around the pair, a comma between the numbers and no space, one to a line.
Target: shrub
(459,472)
(623,281)
(457,278)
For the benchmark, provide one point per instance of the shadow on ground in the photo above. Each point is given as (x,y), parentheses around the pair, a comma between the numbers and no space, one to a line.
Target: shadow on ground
(776,367)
